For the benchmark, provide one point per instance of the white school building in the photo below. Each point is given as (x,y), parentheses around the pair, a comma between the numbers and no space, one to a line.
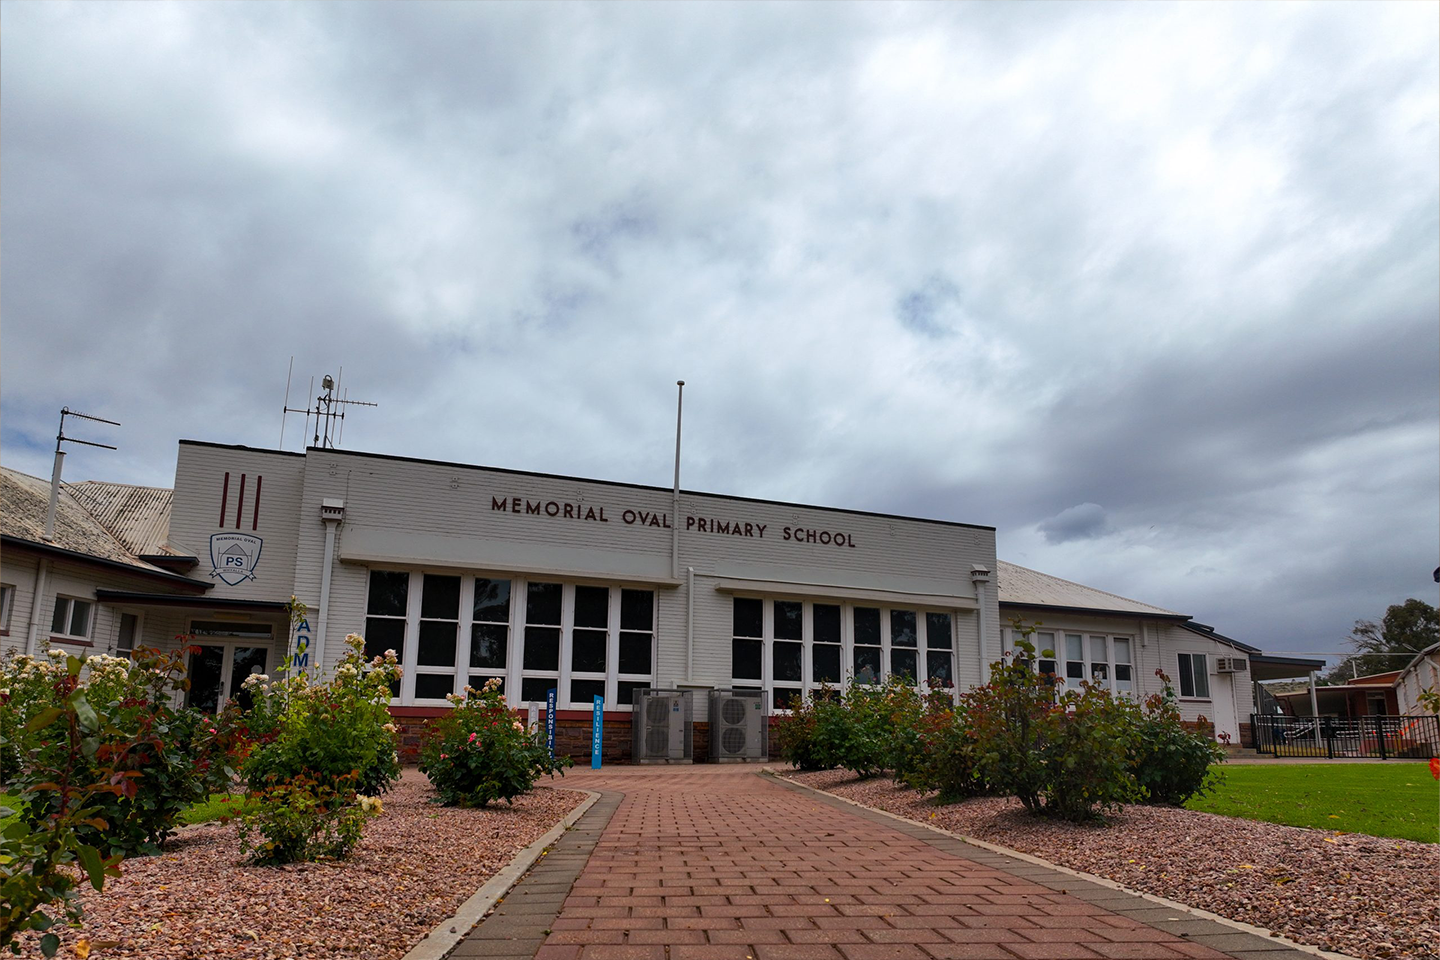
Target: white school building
(550,582)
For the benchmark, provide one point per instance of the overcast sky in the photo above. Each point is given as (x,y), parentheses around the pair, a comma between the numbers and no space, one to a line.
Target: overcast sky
(1154,290)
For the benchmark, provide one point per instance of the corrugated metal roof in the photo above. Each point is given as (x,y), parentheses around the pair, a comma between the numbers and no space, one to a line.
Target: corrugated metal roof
(24,501)
(138,517)
(1021,585)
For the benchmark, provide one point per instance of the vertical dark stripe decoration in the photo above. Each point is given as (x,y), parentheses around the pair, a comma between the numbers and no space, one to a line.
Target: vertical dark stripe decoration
(224,498)
(255,516)
(240,505)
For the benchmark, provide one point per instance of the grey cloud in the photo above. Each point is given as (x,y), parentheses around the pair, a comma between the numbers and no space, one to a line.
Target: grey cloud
(969,262)
(1084,521)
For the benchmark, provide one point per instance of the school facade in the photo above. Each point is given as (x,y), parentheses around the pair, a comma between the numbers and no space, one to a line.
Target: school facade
(590,588)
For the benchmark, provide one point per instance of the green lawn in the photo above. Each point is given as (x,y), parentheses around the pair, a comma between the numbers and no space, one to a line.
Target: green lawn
(1395,799)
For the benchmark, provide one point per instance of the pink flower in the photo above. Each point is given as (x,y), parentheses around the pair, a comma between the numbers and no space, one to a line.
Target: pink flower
(212,729)
(444,756)
(472,738)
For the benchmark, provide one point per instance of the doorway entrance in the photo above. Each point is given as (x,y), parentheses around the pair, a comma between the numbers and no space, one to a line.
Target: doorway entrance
(224,655)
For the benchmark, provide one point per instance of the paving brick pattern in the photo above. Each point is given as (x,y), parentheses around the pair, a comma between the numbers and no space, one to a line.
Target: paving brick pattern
(720,863)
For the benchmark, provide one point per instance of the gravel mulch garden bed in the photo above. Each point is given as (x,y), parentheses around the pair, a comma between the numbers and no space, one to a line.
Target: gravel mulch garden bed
(417,863)
(1365,896)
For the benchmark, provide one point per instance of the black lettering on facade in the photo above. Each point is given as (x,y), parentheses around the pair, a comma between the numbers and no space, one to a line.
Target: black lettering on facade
(532,509)
(497,503)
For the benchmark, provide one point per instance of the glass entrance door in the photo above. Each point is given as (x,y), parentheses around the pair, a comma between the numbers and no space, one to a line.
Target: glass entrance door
(218,672)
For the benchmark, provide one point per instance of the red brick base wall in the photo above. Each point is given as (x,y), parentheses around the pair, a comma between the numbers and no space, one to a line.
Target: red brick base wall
(572,734)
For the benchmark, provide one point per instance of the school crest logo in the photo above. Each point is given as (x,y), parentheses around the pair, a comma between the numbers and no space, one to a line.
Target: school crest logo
(234,556)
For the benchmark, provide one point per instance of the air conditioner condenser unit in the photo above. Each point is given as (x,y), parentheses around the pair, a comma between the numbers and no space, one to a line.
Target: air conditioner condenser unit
(739,726)
(661,727)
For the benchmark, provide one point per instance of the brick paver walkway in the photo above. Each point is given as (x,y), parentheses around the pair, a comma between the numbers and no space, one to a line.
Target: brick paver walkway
(719,863)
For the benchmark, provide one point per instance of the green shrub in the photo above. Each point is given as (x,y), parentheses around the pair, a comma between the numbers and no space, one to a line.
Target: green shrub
(41,859)
(1170,764)
(304,820)
(813,736)
(326,731)
(1087,756)
(949,763)
(164,758)
(1063,756)
(480,751)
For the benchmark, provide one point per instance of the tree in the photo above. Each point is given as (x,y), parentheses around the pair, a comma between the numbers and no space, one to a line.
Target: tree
(1407,627)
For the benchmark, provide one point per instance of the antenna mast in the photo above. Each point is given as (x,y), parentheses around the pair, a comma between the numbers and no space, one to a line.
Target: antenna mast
(60,462)
(329,413)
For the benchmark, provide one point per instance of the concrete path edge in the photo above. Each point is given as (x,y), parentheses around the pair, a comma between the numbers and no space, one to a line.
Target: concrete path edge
(448,933)
(1238,925)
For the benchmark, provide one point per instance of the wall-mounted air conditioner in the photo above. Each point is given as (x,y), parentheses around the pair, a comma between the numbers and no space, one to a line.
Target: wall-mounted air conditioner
(661,727)
(1231,665)
(739,726)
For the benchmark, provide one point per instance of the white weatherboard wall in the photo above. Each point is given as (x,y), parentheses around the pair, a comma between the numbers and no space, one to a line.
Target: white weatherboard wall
(1156,645)
(420,515)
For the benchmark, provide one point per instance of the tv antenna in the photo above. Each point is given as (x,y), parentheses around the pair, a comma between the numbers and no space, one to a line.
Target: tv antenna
(60,462)
(328,411)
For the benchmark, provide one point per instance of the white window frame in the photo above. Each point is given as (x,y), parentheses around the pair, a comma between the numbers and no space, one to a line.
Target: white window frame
(413,618)
(67,634)
(7,603)
(808,685)
(468,672)
(1179,679)
(139,638)
(613,675)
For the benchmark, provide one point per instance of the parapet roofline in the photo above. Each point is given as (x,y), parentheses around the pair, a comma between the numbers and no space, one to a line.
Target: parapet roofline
(607,483)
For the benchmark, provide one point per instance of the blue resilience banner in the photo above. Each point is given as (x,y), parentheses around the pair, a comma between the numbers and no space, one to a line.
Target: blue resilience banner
(550,720)
(597,730)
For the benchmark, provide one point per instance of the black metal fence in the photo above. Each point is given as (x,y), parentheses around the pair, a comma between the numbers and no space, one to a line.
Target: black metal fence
(1385,738)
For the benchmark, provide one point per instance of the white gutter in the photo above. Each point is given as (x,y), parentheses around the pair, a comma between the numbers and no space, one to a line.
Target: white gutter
(32,634)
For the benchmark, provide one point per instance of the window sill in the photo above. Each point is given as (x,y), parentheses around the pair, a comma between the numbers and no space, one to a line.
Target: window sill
(1195,699)
(73,641)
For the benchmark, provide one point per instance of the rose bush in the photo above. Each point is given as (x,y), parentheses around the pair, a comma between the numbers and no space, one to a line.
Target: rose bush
(305,820)
(480,751)
(166,757)
(324,731)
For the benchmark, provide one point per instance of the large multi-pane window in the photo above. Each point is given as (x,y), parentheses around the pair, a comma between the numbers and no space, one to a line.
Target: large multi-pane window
(385,615)
(439,632)
(451,630)
(869,649)
(747,644)
(489,632)
(793,648)
(589,639)
(825,644)
(939,656)
(787,654)
(1102,660)
(903,647)
(540,662)
(636,662)
(1124,679)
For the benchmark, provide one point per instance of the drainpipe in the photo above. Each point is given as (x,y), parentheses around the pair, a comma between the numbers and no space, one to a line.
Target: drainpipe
(332,514)
(1314,708)
(689,625)
(980,576)
(32,634)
